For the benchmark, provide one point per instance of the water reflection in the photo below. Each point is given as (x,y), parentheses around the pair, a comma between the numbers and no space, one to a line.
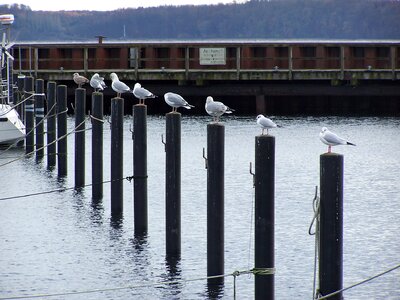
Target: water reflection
(215,288)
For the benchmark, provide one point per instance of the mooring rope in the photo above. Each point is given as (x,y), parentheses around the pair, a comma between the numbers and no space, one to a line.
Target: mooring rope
(21,102)
(315,220)
(128,178)
(41,148)
(266,271)
(360,283)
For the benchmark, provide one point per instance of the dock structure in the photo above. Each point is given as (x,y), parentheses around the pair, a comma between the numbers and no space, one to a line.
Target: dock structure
(251,69)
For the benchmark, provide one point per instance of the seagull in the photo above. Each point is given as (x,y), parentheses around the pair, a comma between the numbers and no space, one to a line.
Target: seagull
(97,82)
(331,139)
(79,79)
(265,123)
(142,93)
(175,101)
(118,86)
(216,109)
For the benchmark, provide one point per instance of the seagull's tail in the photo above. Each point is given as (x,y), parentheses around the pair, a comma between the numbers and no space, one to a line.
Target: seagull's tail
(229,110)
(351,144)
(188,106)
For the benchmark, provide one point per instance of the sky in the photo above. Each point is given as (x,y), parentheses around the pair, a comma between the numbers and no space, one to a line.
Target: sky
(106,5)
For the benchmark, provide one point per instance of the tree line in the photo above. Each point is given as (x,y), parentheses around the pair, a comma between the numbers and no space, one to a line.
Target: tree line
(255,19)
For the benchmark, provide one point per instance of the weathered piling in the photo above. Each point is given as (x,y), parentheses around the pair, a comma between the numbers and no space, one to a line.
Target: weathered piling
(331,225)
(215,202)
(139,137)
(29,115)
(21,107)
(51,124)
(264,182)
(39,115)
(173,184)
(97,145)
(80,112)
(117,159)
(62,130)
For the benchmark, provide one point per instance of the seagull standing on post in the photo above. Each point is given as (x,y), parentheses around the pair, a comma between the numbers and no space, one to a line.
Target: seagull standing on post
(80,80)
(331,139)
(265,123)
(97,82)
(216,108)
(141,93)
(118,86)
(175,101)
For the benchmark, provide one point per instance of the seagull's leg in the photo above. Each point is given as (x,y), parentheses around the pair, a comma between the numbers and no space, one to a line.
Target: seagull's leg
(329,148)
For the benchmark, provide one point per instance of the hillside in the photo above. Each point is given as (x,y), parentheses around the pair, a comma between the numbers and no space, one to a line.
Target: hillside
(275,19)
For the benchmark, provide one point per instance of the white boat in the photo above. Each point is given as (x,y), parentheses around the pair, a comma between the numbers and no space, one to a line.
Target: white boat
(12,129)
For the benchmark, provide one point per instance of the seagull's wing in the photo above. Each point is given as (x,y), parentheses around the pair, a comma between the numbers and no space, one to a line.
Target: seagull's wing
(333,139)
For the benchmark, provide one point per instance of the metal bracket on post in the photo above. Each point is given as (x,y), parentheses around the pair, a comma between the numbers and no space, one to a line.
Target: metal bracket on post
(253,174)
(162,141)
(205,159)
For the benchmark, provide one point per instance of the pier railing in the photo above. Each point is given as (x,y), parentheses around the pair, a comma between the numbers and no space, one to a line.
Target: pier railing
(172,61)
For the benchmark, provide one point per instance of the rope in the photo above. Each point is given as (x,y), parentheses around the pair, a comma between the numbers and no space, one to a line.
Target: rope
(359,283)
(316,209)
(151,284)
(128,178)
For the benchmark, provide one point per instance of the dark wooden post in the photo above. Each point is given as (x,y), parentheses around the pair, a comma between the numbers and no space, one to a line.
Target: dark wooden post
(173,184)
(264,214)
(80,112)
(139,136)
(215,202)
(62,158)
(29,115)
(51,124)
(117,158)
(331,225)
(39,115)
(97,145)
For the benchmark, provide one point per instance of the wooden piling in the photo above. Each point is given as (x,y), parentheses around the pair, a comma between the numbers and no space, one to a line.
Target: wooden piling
(139,136)
(264,215)
(331,225)
(215,202)
(80,112)
(97,145)
(21,107)
(173,184)
(51,124)
(117,158)
(29,115)
(62,158)
(39,115)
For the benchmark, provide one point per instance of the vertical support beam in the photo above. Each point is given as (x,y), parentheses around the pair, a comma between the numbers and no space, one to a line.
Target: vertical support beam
(85,59)
(331,225)
(173,184)
(97,145)
(117,159)
(21,107)
(215,202)
(290,62)
(62,157)
(39,115)
(80,112)
(36,60)
(264,239)
(51,124)
(393,61)
(29,115)
(238,59)
(139,136)
(187,62)
(261,106)
(342,62)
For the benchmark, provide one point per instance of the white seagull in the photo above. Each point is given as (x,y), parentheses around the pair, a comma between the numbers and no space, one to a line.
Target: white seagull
(118,86)
(79,79)
(97,82)
(331,139)
(216,108)
(142,93)
(265,123)
(175,101)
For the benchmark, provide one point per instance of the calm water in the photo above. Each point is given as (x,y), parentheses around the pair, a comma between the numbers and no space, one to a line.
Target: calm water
(62,242)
